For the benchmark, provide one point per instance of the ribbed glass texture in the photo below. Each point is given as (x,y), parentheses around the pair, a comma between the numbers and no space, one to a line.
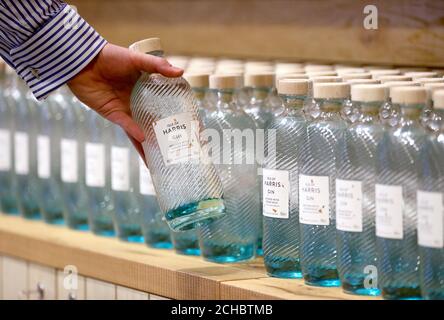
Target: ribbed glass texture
(98,164)
(281,238)
(124,177)
(319,156)
(356,240)
(189,192)
(186,242)
(398,156)
(234,237)
(431,175)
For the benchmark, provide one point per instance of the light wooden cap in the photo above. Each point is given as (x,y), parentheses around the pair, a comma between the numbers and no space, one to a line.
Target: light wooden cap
(325,79)
(318,67)
(321,73)
(399,77)
(429,80)
(147,45)
(392,84)
(351,76)
(369,92)
(226,81)
(260,79)
(346,70)
(198,80)
(293,86)
(418,75)
(438,99)
(362,81)
(408,95)
(384,72)
(334,90)
(432,87)
(286,67)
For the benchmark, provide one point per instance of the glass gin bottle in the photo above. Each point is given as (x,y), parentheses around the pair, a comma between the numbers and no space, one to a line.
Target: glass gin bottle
(395,196)
(355,192)
(317,177)
(430,201)
(280,201)
(233,237)
(188,188)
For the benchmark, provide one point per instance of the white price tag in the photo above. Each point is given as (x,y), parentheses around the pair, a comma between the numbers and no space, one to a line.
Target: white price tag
(95,164)
(69,160)
(178,138)
(21,153)
(314,200)
(43,157)
(349,205)
(275,195)
(120,179)
(389,210)
(5,150)
(430,219)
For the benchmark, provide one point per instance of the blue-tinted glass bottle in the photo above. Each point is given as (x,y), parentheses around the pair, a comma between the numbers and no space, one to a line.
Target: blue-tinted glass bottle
(317,186)
(155,230)
(98,174)
(431,207)
(355,193)
(233,237)
(124,172)
(8,198)
(395,196)
(280,200)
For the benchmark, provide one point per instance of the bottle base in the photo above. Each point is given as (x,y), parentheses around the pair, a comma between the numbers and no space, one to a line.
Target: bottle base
(195,215)
(283,268)
(104,233)
(228,254)
(102,226)
(158,240)
(54,221)
(79,226)
(355,284)
(31,214)
(401,293)
(134,239)
(10,208)
(160,245)
(322,277)
(130,233)
(434,295)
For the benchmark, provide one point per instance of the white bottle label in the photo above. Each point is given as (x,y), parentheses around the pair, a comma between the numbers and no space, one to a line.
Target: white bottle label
(430,219)
(178,138)
(314,200)
(349,205)
(95,164)
(69,160)
(276,189)
(21,153)
(120,169)
(43,157)
(145,181)
(389,207)
(5,150)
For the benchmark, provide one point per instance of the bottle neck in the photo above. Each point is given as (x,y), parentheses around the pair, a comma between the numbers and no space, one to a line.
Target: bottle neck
(225,98)
(411,112)
(369,110)
(330,105)
(200,93)
(260,93)
(293,103)
(440,117)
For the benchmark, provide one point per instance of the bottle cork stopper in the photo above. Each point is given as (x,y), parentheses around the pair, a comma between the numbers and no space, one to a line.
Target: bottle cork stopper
(318,67)
(408,95)
(384,72)
(198,80)
(429,80)
(351,76)
(147,45)
(262,79)
(321,73)
(334,90)
(362,81)
(293,87)
(325,79)
(286,67)
(418,75)
(432,87)
(391,78)
(226,81)
(438,99)
(369,92)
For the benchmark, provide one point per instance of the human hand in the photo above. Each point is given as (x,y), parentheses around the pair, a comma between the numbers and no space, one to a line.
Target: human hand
(105,84)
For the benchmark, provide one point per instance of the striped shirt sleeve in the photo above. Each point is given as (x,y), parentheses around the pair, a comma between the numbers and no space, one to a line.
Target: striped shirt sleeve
(46,42)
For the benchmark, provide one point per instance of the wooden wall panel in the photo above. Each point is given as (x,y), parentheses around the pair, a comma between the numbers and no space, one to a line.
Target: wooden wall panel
(410,32)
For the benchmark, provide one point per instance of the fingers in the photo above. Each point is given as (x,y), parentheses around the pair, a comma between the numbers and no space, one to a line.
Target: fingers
(152,64)
(128,124)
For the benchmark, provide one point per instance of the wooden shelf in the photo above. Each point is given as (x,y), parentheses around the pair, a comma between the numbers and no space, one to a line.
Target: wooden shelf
(160,272)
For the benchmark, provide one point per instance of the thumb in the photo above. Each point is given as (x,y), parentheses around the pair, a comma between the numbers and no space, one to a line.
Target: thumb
(150,64)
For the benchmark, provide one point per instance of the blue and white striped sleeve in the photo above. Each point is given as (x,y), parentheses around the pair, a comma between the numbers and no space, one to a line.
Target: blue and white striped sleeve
(46,42)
